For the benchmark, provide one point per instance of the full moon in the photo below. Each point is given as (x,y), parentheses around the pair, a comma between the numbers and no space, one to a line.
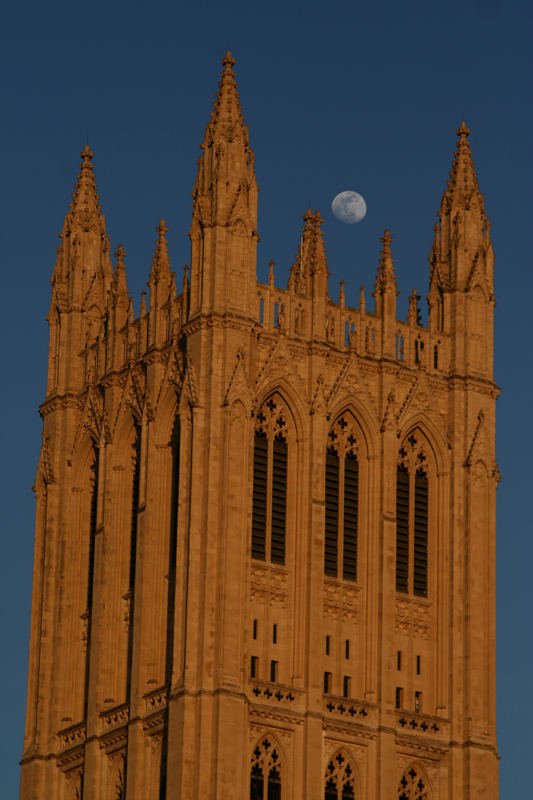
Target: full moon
(349,207)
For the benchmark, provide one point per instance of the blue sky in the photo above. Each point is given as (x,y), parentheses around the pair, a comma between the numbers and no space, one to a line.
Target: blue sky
(338,95)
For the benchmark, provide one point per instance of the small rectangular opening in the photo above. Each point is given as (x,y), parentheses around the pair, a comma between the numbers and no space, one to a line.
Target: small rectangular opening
(418,664)
(399,660)
(418,701)
(347,648)
(399,697)
(327,644)
(327,682)
(253,666)
(273,671)
(254,629)
(346,686)
(275,633)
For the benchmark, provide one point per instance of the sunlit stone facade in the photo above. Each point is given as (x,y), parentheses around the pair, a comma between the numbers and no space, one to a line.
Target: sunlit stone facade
(265,528)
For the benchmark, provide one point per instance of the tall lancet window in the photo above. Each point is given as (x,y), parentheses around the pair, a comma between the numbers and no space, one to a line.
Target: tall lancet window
(266,772)
(269,505)
(341,500)
(340,779)
(412,499)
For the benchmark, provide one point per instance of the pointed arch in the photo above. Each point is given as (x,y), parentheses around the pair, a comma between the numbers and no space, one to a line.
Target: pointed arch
(268,774)
(366,423)
(299,413)
(434,435)
(341,780)
(167,408)
(414,784)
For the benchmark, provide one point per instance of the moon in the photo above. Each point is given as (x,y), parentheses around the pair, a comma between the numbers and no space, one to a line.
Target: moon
(349,207)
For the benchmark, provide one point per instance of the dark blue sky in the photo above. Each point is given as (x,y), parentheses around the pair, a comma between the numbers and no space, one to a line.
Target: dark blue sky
(338,95)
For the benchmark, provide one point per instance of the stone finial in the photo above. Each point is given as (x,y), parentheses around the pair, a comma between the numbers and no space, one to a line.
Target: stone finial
(362,301)
(342,296)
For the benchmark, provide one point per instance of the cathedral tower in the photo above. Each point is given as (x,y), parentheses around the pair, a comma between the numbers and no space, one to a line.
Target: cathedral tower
(265,529)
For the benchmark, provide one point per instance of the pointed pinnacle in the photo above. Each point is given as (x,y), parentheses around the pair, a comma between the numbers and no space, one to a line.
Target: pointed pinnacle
(160,261)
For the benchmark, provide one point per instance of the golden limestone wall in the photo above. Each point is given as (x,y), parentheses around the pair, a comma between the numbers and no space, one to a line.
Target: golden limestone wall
(190,637)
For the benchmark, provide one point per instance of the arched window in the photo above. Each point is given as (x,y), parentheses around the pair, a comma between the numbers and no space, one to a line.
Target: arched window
(269,504)
(265,773)
(341,500)
(412,498)
(340,781)
(413,785)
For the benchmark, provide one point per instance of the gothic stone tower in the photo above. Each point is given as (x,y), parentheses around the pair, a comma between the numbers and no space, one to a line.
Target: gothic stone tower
(265,543)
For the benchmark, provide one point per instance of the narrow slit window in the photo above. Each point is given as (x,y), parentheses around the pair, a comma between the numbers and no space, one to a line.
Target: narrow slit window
(274,633)
(399,660)
(346,685)
(418,702)
(347,648)
(253,666)
(418,664)
(254,629)
(273,671)
(327,644)
(399,697)
(327,682)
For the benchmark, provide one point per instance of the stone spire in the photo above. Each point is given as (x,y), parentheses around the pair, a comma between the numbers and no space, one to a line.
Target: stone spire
(385,293)
(460,233)
(224,222)
(81,279)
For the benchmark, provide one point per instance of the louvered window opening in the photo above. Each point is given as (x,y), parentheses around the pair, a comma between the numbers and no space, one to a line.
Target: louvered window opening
(269,498)
(279,501)
(420,549)
(332,513)
(345,475)
(402,529)
(412,531)
(259,502)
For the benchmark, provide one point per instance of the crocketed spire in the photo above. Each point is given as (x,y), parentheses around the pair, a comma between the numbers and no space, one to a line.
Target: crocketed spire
(461,233)
(462,183)
(227,119)
(85,211)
